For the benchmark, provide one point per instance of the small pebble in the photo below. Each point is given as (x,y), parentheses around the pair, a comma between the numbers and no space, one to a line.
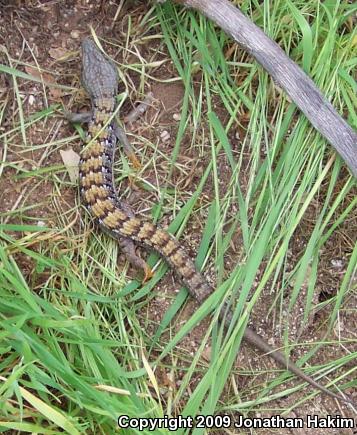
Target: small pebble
(337,263)
(165,136)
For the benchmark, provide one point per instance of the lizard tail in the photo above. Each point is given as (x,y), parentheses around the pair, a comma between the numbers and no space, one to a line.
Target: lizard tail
(255,340)
(120,223)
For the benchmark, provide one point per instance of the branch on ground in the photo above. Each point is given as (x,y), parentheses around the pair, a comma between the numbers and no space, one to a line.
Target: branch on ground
(286,73)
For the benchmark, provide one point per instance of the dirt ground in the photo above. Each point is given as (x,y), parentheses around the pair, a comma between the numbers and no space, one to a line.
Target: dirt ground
(49,33)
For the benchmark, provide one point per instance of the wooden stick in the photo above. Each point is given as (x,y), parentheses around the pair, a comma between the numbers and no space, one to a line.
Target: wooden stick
(286,73)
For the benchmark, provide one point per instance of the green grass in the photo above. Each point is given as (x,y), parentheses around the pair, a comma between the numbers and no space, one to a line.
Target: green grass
(76,344)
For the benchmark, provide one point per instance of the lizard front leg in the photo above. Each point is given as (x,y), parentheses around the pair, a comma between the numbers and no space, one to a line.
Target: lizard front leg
(124,141)
(119,133)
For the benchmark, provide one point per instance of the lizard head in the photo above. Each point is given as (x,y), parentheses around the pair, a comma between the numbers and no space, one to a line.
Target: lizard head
(99,74)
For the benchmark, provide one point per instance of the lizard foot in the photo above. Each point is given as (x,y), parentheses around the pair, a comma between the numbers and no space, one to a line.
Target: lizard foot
(134,160)
(148,273)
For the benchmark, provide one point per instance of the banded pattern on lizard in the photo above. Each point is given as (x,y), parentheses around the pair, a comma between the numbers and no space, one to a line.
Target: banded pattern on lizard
(99,77)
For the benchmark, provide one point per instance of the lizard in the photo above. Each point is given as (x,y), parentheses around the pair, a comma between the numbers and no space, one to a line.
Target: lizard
(114,217)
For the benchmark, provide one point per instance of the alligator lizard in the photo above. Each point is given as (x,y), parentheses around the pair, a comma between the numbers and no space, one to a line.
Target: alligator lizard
(99,78)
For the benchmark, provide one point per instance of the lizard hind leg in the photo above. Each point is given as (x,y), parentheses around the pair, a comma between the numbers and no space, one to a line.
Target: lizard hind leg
(128,248)
(127,245)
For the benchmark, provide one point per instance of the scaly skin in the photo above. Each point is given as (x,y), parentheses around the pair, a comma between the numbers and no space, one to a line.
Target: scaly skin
(99,78)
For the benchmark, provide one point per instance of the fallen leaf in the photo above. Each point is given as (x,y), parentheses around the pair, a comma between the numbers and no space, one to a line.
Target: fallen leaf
(59,53)
(34,71)
(56,93)
(207,353)
(71,161)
